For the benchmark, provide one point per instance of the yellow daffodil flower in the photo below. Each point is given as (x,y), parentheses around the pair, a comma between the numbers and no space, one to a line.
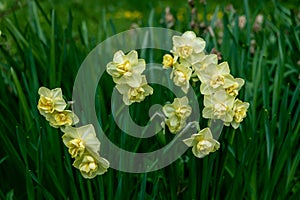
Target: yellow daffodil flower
(177,113)
(50,101)
(233,85)
(239,112)
(126,69)
(218,106)
(91,165)
(181,75)
(202,143)
(167,61)
(135,94)
(63,118)
(187,45)
(80,139)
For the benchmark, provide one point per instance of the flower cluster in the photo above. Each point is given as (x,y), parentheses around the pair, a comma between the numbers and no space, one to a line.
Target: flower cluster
(220,90)
(126,71)
(187,52)
(52,106)
(219,87)
(82,142)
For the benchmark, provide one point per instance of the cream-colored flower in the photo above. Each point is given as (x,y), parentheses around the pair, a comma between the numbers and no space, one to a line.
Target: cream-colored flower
(63,118)
(202,143)
(204,62)
(213,77)
(240,112)
(80,139)
(168,61)
(187,45)
(181,75)
(135,94)
(126,69)
(50,101)
(218,106)
(91,165)
(233,85)
(177,113)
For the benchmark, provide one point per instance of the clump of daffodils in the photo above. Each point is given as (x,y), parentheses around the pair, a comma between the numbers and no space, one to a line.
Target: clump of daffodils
(126,71)
(82,142)
(188,62)
(219,87)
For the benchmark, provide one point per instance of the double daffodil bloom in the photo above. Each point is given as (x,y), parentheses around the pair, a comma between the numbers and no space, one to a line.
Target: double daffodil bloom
(84,146)
(80,139)
(177,113)
(187,45)
(233,85)
(202,143)
(181,75)
(126,69)
(135,94)
(63,118)
(91,165)
(218,106)
(168,61)
(213,76)
(239,112)
(50,101)
(202,64)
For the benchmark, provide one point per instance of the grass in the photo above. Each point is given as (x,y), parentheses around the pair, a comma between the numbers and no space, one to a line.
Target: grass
(260,160)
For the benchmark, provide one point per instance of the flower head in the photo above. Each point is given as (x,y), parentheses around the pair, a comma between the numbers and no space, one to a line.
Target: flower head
(202,64)
(126,69)
(91,165)
(177,113)
(135,94)
(50,101)
(63,118)
(213,76)
(202,143)
(187,45)
(218,106)
(233,85)
(239,112)
(168,61)
(80,139)
(181,75)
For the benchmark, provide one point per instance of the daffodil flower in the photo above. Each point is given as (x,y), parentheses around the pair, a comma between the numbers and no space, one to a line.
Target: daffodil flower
(233,85)
(202,143)
(218,106)
(126,69)
(213,77)
(202,64)
(240,112)
(177,113)
(135,94)
(63,118)
(91,165)
(80,139)
(181,75)
(50,101)
(168,61)
(187,45)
